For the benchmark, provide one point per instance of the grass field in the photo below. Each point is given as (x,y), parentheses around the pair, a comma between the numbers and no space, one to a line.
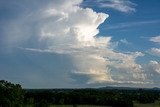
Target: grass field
(155,104)
(147,105)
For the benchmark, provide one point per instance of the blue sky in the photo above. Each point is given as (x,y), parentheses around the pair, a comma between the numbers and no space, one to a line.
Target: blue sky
(76,43)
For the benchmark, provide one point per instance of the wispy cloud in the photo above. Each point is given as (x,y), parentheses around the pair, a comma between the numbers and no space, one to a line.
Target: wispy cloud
(36,50)
(132,24)
(155,39)
(124,41)
(125,6)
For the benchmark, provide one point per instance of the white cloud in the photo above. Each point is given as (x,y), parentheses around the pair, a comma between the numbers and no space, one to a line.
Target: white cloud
(125,41)
(152,72)
(62,27)
(93,66)
(155,39)
(79,27)
(132,24)
(125,66)
(155,66)
(155,51)
(120,5)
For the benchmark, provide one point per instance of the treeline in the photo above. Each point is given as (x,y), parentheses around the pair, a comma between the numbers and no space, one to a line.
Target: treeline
(114,98)
(12,95)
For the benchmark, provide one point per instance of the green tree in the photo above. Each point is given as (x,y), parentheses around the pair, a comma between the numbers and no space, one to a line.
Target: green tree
(11,95)
(42,103)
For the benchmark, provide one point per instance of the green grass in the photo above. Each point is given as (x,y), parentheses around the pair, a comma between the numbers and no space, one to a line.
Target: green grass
(156,104)
(146,105)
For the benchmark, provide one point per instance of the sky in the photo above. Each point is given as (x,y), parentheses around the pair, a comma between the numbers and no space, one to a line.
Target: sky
(80,43)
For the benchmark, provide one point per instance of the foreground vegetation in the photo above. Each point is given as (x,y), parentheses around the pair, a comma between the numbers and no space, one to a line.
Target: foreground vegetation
(12,95)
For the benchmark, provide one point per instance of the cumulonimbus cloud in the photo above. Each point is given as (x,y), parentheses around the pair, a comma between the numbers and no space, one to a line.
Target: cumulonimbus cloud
(63,27)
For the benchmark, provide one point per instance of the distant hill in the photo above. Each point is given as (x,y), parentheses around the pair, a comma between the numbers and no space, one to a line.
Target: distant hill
(100,88)
(126,88)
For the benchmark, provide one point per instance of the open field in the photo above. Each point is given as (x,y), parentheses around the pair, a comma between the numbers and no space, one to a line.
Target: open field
(147,105)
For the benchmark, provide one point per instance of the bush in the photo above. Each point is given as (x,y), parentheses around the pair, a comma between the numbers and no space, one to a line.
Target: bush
(11,95)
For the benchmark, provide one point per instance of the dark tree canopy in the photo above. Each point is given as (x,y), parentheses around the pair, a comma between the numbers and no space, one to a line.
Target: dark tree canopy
(11,95)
